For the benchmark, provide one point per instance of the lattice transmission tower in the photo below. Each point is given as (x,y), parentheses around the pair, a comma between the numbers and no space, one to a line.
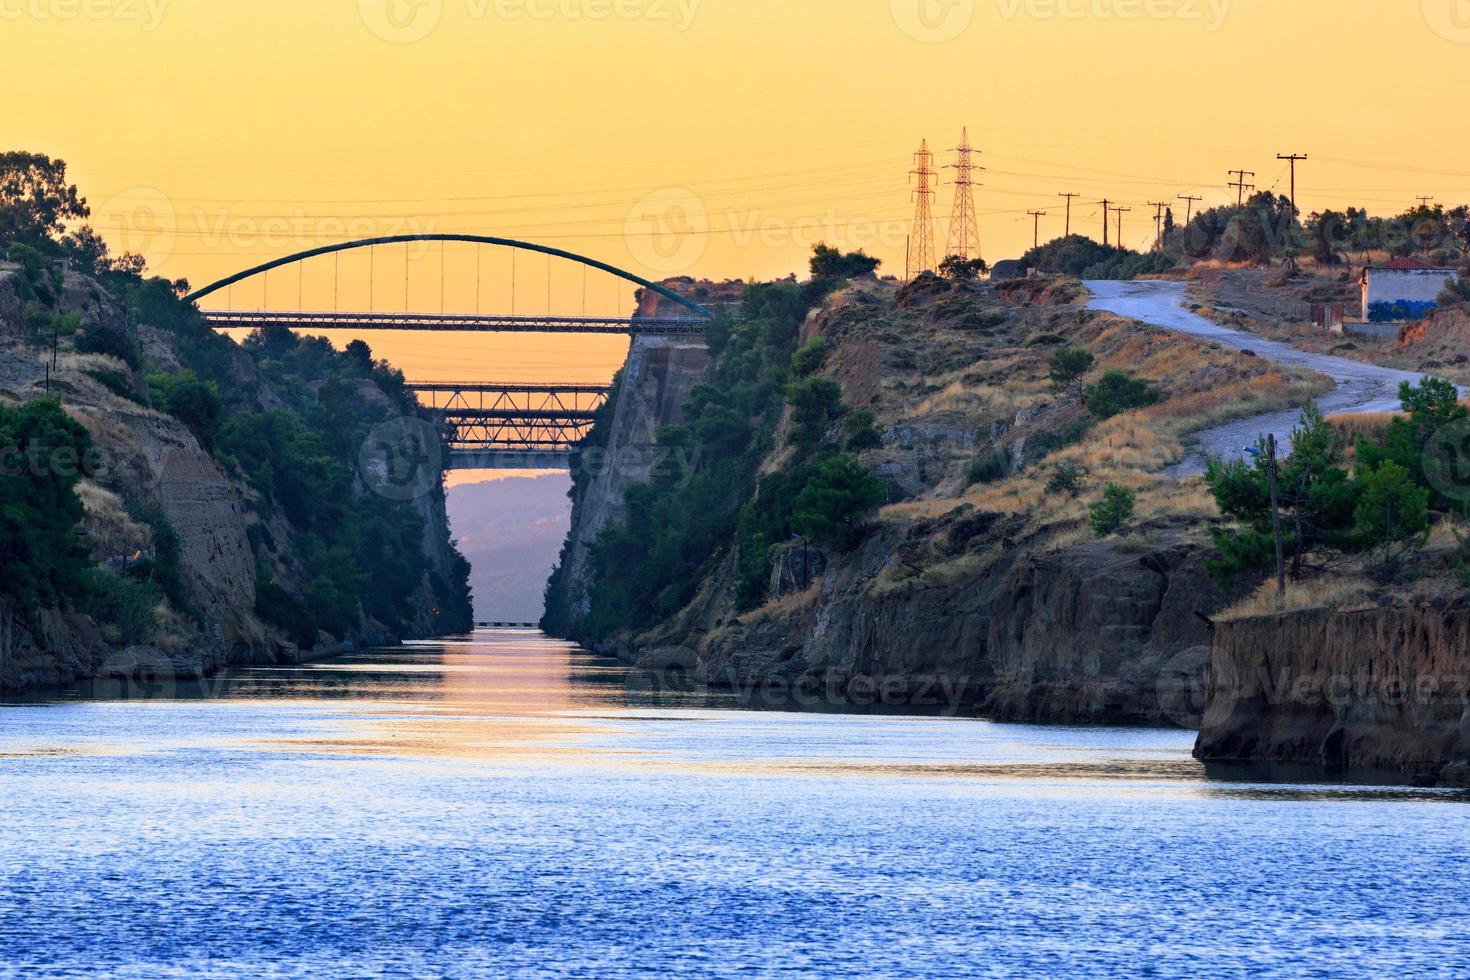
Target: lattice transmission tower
(964,228)
(921,241)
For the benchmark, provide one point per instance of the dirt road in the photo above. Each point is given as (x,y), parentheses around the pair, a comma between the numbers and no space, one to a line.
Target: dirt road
(1361,388)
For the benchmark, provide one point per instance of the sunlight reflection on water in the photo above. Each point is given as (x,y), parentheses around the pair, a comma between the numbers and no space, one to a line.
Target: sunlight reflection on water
(506,803)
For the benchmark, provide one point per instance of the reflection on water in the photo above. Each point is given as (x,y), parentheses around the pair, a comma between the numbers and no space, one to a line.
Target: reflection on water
(505,803)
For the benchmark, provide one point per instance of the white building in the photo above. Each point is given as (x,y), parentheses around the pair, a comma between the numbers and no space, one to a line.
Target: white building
(1404,289)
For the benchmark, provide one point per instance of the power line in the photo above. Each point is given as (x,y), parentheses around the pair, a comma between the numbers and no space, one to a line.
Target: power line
(1241,186)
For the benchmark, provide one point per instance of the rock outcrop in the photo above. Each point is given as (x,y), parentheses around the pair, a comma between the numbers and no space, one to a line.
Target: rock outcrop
(1384,689)
(1093,634)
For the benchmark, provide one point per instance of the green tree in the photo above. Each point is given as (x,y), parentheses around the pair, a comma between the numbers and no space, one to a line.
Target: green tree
(815,404)
(808,360)
(1068,367)
(1431,407)
(832,263)
(1392,516)
(194,402)
(36,198)
(43,456)
(958,269)
(1113,511)
(1314,491)
(831,507)
(1116,392)
(862,432)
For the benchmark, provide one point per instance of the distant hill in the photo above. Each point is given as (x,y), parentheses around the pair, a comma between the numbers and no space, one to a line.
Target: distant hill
(511,531)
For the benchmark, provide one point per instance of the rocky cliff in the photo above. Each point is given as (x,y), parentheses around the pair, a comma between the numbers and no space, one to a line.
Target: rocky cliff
(151,463)
(957,596)
(1385,689)
(650,393)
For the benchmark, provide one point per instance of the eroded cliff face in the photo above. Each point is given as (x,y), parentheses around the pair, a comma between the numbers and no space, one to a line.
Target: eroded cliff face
(151,462)
(1385,689)
(972,610)
(1100,633)
(651,393)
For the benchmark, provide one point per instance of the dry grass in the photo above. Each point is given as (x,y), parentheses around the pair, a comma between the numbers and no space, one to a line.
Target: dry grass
(1318,593)
(1369,425)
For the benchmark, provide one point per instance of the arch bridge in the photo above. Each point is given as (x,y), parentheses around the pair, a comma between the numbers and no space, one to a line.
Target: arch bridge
(486,424)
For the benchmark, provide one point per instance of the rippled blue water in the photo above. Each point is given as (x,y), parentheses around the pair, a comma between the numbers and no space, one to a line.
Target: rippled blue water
(509,805)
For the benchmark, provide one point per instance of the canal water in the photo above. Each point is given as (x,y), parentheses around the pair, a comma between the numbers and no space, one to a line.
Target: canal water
(508,804)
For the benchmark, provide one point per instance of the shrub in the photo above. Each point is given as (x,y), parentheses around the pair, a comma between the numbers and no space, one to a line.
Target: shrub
(1068,478)
(1113,511)
(990,467)
(1117,392)
(808,360)
(816,403)
(862,432)
(1069,366)
(832,505)
(113,343)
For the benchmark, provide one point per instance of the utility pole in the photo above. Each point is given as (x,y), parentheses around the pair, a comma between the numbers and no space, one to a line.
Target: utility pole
(1036,227)
(1069,195)
(1293,158)
(964,229)
(923,235)
(1120,212)
(1107,206)
(1241,186)
(1189,206)
(1424,201)
(1158,223)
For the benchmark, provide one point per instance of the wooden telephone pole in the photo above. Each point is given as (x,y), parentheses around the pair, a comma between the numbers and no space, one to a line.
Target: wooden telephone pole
(1036,227)
(1241,186)
(1293,158)
(1120,212)
(1069,197)
(1189,200)
(1107,207)
(1158,223)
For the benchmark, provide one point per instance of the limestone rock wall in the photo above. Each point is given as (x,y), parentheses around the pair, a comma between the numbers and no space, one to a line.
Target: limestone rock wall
(1378,689)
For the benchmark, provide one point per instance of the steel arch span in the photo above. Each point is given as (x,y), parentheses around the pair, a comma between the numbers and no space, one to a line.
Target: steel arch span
(558,253)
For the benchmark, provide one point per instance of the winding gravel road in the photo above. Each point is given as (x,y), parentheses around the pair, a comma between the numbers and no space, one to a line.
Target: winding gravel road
(1361,388)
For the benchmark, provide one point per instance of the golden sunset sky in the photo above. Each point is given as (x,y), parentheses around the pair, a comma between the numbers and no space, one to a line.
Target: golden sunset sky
(717,138)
